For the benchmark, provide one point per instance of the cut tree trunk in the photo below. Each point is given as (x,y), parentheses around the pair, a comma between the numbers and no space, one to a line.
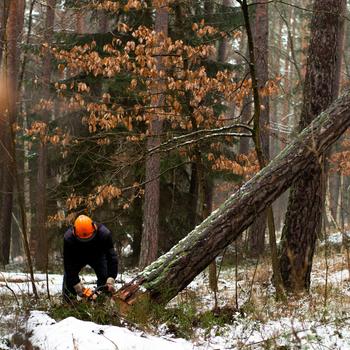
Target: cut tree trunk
(173,271)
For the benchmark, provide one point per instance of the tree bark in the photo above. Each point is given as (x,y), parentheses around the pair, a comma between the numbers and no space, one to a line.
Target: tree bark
(25,145)
(222,49)
(305,207)
(42,246)
(259,147)
(246,111)
(103,21)
(256,237)
(172,272)
(4,10)
(150,234)
(208,186)
(289,22)
(14,28)
(334,179)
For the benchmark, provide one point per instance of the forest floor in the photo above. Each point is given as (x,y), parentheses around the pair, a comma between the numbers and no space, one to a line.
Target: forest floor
(246,316)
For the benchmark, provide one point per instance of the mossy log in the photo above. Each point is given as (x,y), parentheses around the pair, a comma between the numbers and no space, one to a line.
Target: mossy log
(173,271)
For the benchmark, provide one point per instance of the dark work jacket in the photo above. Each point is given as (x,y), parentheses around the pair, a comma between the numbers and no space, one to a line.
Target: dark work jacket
(98,253)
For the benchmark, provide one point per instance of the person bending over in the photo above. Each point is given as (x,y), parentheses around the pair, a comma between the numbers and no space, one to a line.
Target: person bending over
(88,243)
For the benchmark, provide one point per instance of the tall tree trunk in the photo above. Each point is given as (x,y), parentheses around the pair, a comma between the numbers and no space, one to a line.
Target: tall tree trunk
(173,271)
(208,7)
(289,21)
(208,186)
(193,191)
(80,22)
(259,147)
(25,162)
(222,49)
(261,34)
(334,179)
(275,118)
(103,21)
(4,10)
(246,113)
(304,213)
(344,201)
(334,188)
(13,29)
(150,234)
(42,246)
(4,7)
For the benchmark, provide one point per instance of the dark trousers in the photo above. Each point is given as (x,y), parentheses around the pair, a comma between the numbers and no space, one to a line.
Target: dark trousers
(101,270)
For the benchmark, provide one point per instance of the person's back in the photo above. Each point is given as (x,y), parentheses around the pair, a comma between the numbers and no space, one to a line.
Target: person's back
(88,243)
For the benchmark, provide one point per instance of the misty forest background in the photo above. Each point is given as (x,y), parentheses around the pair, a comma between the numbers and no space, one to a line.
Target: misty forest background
(147,115)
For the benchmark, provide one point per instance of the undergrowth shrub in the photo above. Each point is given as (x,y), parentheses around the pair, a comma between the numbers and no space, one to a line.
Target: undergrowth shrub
(102,312)
(180,319)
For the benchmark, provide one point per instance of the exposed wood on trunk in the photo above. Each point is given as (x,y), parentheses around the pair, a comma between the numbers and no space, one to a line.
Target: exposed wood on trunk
(172,272)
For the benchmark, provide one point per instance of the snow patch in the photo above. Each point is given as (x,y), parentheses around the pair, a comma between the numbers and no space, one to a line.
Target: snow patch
(72,333)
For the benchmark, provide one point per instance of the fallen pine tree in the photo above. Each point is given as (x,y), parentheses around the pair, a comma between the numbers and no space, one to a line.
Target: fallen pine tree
(173,271)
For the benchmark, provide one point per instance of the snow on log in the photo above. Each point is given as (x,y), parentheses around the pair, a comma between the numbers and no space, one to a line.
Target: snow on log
(173,271)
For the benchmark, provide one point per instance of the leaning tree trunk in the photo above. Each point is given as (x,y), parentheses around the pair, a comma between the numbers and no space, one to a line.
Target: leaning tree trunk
(304,214)
(150,234)
(172,272)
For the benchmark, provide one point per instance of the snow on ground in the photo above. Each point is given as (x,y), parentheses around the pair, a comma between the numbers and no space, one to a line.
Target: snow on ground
(72,333)
(318,321)
(281,334)
(20,284)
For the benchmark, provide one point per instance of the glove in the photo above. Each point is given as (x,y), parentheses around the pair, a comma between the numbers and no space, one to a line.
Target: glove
(78,289)
(110,284)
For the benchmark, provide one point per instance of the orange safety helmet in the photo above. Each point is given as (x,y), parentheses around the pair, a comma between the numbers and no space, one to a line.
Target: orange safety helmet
(84,228)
